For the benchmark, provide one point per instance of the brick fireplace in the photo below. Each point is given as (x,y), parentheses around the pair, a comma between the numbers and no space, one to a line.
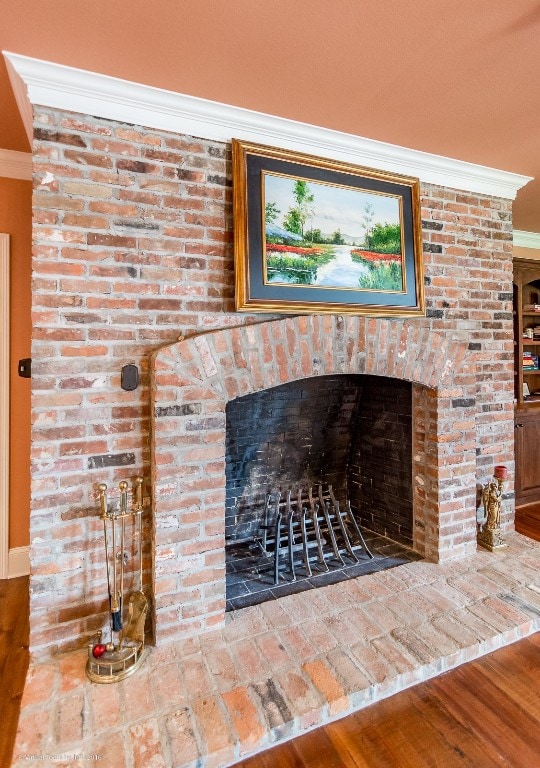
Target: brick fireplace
(195,378)
(132,249)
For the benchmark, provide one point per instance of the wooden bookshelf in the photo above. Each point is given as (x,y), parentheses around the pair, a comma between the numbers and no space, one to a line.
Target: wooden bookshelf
(527,415)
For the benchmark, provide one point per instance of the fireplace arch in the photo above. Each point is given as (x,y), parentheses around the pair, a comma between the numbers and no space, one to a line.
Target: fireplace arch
(192,381)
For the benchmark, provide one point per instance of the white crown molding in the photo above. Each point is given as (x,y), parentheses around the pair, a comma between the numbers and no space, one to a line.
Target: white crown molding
(524,239)
(43,83)
(15,165)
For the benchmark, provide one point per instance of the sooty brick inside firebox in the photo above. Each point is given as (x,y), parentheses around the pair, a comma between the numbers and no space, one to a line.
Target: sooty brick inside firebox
(351,432)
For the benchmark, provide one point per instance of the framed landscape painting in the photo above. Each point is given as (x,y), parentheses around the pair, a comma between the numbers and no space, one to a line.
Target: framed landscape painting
(313,235)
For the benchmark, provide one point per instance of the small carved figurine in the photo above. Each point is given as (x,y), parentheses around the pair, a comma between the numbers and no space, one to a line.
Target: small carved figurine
(492,497)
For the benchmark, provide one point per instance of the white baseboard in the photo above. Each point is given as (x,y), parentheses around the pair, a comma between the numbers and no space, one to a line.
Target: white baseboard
(18,562)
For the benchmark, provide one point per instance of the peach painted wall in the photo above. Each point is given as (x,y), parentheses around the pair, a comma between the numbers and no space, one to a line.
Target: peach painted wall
(16,221)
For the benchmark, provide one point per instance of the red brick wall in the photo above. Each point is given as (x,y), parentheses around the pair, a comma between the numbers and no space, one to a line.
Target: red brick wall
(132,248)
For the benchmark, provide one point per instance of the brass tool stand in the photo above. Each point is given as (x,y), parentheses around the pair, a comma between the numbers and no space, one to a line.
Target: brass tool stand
(125,652)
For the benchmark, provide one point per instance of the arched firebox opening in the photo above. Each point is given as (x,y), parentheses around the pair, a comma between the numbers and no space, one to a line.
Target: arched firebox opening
(318,484)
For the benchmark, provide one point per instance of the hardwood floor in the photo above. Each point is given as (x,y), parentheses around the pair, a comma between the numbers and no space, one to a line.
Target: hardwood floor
(528,520)
(13,659)
(481,715)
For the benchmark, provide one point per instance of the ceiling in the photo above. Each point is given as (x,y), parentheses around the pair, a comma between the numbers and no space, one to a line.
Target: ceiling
(453,77)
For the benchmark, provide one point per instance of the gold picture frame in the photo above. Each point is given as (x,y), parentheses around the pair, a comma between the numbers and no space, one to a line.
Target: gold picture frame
(313,236)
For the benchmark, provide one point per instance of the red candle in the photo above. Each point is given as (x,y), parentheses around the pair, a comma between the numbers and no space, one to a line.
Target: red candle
(500,472)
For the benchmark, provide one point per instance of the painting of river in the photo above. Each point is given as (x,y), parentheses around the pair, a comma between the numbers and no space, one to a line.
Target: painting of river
(331,236)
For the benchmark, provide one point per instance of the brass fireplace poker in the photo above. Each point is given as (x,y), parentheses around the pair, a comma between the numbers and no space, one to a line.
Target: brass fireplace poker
(489,533)
(124,653)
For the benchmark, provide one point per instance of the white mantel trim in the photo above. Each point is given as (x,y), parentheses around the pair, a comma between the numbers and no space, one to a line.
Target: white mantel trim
(526,239)
(15,165)
(43,83)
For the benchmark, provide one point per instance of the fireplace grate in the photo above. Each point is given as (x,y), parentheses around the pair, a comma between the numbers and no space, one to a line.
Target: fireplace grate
(310,529)
(306,538)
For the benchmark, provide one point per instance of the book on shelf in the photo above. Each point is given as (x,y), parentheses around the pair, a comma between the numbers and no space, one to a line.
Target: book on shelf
(530,361)
(531,307)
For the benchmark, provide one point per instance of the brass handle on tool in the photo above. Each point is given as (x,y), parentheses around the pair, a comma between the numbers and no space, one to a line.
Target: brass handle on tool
(137,493)
(102,488)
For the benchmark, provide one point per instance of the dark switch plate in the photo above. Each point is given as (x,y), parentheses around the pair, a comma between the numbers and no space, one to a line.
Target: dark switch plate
(129,379)
(25,368)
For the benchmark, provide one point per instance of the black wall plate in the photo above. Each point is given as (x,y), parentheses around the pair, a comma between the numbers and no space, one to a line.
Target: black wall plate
(25,368)
(129,379)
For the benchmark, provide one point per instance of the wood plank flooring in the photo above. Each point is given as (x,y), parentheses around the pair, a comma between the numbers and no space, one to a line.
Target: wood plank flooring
(528,520)
(13,659)
(485,714)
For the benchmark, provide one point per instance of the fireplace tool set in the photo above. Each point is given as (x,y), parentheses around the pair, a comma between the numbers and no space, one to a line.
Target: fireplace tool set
(311,523)
(124,652)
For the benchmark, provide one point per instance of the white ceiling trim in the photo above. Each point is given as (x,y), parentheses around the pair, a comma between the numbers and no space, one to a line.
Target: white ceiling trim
(526,239)
(15,165)
(43,83)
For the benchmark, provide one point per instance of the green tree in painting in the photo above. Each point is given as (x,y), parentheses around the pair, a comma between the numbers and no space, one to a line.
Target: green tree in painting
(304,199)
(315,236)
(367,219)
(337,238)
(292,222)
(271,212)
(296,217)
(385,238)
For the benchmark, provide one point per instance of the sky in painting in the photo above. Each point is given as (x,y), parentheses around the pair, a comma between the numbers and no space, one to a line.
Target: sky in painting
(334,207)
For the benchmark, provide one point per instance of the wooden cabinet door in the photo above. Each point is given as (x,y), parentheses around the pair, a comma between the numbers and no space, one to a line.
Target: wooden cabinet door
(527,445)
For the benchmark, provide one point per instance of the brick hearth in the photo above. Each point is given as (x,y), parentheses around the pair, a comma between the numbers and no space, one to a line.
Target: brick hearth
(281,668)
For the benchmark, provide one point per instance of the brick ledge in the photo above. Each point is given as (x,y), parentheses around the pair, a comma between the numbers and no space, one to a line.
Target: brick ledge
(214,700)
